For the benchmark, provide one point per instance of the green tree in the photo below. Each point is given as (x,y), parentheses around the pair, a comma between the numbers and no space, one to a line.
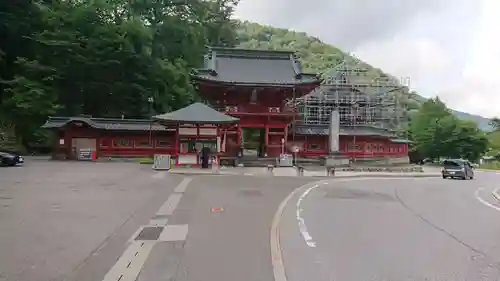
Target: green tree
(495,123)
(102,57)
(437,133)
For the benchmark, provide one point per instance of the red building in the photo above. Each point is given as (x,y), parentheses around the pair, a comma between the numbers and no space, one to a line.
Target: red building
(255,85)
(289,110)
(182,134)
(278,107)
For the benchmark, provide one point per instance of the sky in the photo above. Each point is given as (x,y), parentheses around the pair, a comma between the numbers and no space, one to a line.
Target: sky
(445,48)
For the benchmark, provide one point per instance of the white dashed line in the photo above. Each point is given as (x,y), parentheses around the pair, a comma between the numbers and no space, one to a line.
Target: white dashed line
(129,265)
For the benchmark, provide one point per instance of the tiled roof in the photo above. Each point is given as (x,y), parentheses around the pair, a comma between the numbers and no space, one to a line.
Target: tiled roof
(254,67)
(106,123)
(344,131)
(196,113)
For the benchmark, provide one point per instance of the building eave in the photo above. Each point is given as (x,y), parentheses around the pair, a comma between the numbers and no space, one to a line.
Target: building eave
(253,84)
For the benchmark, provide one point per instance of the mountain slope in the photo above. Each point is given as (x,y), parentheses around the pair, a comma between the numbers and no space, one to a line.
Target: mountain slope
(319,57)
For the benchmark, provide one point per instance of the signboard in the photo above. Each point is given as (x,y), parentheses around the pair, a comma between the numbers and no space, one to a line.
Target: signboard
(85,154)
(285,160)
(161,162)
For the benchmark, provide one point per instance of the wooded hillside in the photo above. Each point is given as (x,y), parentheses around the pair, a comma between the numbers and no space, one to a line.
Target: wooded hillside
(101,57)
(114,58)
(317,56)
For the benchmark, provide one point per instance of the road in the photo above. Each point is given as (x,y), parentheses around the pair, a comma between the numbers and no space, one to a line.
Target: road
(84,222)
(393,229)
(121,221)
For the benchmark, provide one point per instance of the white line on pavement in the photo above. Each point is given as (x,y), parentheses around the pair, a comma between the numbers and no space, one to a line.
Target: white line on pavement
(181,188)
(169,206)
(129,265)
(302,226)
(275,241)
(486,203)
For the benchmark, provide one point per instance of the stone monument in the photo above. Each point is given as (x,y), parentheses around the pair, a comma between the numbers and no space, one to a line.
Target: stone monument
(335,159)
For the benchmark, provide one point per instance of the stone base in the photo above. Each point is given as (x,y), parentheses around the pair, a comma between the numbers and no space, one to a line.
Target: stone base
(337,160)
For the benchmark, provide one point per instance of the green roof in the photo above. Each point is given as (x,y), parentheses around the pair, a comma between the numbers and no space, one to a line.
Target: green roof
(253,67)
(196,113)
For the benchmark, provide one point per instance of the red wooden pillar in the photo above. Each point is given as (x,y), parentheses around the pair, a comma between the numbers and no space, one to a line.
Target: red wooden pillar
(98,145)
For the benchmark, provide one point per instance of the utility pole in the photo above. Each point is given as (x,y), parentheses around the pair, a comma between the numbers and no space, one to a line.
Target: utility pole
(150,102)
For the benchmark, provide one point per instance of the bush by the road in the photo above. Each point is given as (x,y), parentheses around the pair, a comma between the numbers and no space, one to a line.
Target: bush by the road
(495,165)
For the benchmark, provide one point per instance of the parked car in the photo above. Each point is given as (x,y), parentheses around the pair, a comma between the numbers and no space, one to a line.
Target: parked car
(10,158)
(457,168)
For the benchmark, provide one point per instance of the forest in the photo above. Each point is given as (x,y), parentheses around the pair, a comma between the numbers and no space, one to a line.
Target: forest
(113,58)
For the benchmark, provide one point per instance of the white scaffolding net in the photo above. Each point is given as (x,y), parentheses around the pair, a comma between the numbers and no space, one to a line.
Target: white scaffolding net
(360,100)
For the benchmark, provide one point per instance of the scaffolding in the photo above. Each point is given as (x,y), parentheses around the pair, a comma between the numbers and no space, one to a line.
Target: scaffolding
(359,99)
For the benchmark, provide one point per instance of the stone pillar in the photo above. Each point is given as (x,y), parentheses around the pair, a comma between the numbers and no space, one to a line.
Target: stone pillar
(334,132)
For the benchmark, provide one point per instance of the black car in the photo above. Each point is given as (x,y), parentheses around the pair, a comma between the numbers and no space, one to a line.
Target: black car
(10,159)
(457,168)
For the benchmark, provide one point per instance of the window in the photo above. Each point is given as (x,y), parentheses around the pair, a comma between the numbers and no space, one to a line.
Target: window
(313,146)
(143,143)
(375,147)
(122,143)
(381,148)
(368,147)
(400,149)
(162,143)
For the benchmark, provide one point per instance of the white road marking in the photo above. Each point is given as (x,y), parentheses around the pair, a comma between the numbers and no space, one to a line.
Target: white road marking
(300,220)
(129,265)
(302,226)
(174,233)
(169,206)
(181,188)
(275,243)
(486,203)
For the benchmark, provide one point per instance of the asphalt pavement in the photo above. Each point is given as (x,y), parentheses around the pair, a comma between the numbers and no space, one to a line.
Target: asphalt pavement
(123,221)
(71,220)
(393,229)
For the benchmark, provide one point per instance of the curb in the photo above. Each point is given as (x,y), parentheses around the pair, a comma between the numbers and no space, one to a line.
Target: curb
(422,175)
(496,194)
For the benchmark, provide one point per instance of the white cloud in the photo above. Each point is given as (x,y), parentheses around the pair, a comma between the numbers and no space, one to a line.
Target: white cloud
(449,48)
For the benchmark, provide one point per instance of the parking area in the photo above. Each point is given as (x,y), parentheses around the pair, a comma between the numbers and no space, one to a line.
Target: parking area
(54,215)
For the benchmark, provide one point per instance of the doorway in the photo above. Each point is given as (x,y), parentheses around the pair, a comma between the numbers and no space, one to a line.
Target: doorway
(253,142)
(82,148)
